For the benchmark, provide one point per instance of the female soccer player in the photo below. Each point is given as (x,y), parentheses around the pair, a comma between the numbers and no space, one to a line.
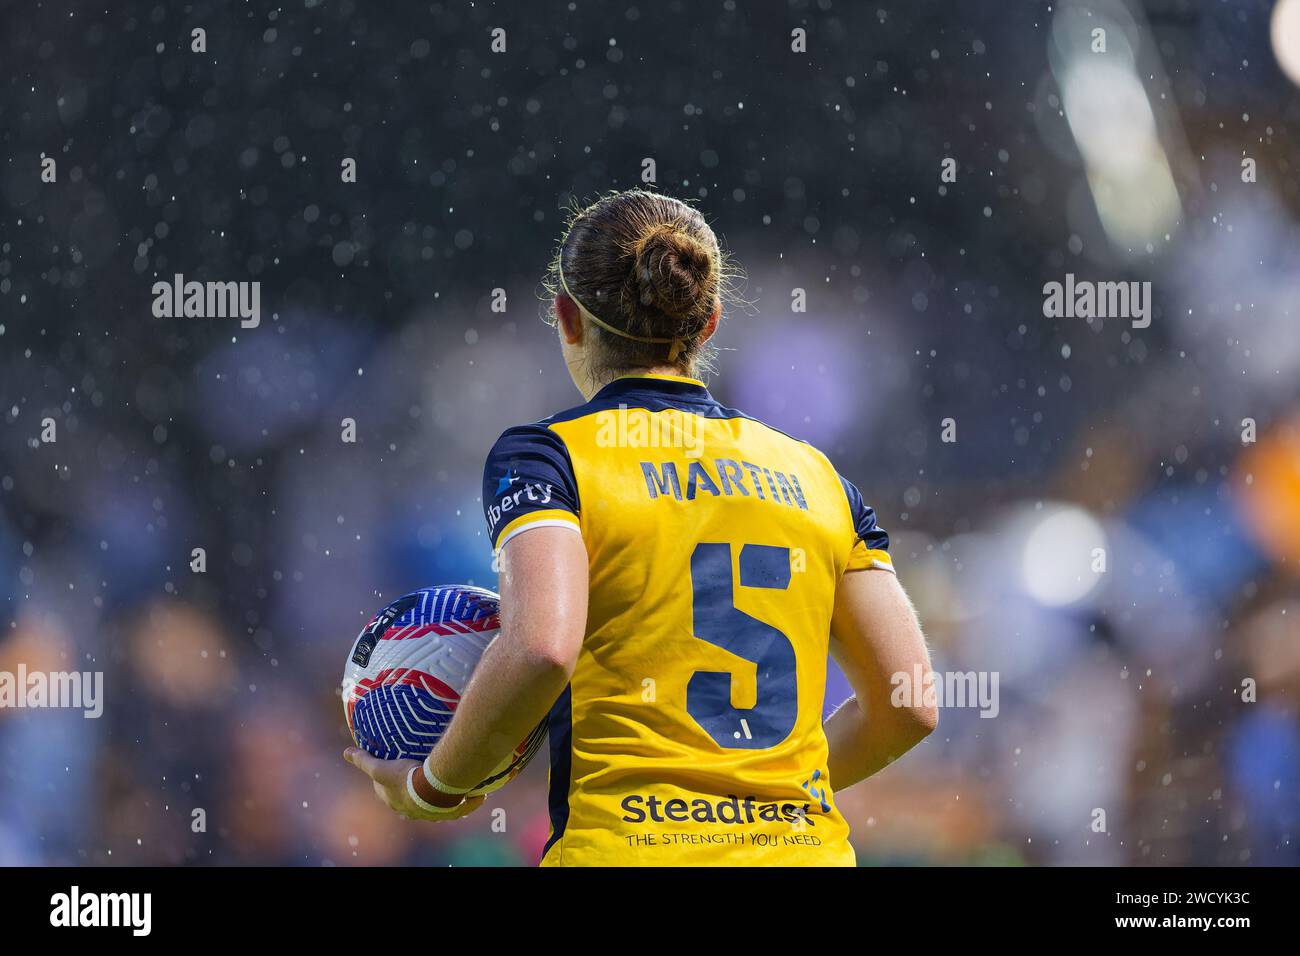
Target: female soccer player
(673,577)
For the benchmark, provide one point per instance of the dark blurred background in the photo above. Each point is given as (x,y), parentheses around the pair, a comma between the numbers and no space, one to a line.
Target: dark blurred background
(1120,690)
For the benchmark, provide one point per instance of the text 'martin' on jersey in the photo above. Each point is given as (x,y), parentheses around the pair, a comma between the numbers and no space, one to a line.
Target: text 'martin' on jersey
(691,730)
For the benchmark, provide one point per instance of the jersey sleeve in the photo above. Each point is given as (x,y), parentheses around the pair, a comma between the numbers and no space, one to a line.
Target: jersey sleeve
(870,542)
(528,483)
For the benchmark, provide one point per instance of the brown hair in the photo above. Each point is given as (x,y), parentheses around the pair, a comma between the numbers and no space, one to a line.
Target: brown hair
(648,265)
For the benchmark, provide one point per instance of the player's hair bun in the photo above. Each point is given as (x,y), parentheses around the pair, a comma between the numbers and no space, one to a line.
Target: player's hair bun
(649,269)
(673,270)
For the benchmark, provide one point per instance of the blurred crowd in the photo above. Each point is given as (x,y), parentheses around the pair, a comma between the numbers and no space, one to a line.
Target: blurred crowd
(1114,532)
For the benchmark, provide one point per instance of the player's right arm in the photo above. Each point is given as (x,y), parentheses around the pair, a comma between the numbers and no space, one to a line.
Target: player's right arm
(875,635)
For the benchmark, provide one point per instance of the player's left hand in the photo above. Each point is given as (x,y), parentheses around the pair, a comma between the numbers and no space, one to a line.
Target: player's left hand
(389,778)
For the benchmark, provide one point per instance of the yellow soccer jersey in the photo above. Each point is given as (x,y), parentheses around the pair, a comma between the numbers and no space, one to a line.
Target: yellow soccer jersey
(691,731)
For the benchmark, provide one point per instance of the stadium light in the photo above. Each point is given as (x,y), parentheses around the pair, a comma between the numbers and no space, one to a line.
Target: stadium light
(1285,32)
(1114,125)
(1059,564)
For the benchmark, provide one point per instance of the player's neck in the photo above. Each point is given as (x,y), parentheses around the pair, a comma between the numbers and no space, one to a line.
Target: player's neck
(594,385)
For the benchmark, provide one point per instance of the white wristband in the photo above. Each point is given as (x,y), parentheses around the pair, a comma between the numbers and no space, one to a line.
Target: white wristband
(442,787)
(419,801)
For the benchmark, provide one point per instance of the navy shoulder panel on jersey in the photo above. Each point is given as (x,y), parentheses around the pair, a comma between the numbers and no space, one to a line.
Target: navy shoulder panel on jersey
(528,471)
(864,519)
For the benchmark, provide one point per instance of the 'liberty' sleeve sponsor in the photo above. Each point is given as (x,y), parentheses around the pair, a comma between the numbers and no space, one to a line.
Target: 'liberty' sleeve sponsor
(870,543)
(528,483)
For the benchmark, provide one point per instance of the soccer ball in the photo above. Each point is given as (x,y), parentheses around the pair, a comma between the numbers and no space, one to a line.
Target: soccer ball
(408,668)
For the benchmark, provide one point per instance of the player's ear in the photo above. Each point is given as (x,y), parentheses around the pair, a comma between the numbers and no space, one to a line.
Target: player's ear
(570,323)
(711,326)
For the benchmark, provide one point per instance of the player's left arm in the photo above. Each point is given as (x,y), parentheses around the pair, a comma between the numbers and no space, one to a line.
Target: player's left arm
(523,671)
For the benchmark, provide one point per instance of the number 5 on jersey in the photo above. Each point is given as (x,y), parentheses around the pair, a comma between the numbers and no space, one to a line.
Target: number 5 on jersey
(718,621)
